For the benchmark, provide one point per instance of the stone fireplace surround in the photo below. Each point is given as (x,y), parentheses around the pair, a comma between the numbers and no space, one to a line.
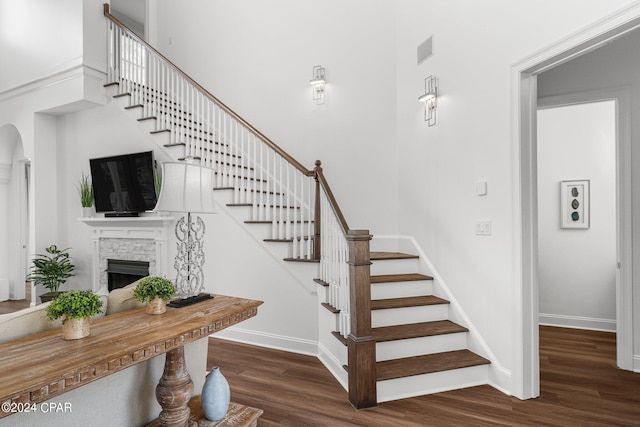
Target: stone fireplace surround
(129,239)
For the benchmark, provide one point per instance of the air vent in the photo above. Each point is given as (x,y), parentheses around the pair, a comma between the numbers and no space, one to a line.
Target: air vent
(425,50)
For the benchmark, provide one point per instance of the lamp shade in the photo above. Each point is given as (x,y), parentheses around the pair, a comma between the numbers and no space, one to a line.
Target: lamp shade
(186,187)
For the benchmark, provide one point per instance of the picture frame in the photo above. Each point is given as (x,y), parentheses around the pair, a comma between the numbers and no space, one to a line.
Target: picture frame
(574,204)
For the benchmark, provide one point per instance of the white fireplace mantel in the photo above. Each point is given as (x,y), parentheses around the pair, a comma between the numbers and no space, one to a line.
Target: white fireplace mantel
(129,235)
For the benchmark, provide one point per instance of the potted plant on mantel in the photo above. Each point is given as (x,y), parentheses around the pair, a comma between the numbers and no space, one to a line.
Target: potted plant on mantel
(86,196)
(51,270)
(155,291)
(75,308)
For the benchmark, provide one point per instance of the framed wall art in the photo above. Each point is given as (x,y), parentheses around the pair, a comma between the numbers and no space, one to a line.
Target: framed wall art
(574,204)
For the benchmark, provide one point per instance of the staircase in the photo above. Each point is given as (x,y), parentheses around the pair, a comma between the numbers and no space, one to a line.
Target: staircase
(386,317)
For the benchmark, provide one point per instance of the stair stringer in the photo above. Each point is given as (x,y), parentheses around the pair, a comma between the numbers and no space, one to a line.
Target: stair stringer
(301,273)
(497,375)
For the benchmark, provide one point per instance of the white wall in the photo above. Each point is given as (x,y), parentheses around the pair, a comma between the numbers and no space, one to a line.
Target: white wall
(577,267)
(615,66)
(475,45)
(42,38)
(257,57)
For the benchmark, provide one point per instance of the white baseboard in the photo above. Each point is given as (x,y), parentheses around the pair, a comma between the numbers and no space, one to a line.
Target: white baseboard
(576,322)
(334,366)
(263,339)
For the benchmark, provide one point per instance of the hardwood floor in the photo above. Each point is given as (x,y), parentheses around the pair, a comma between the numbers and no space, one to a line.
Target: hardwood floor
(15,305)
(580,384)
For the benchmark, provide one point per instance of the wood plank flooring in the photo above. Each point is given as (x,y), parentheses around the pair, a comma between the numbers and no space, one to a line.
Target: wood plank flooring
(580,384)
(14,305)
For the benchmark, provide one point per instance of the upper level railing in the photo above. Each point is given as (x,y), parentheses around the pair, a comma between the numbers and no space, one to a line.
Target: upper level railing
(279,188)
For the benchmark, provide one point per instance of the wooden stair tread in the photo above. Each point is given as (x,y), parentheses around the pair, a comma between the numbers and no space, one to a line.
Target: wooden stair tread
(381,256)
(270,206)
(381,304)
(330,308)
(339,337)
(412,277)
(302,260)
(427,364)
(416,330)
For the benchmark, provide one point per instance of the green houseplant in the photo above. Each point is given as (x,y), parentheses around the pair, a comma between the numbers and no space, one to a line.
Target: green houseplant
(75,308)
(86,195)
(155,291)
(51,270)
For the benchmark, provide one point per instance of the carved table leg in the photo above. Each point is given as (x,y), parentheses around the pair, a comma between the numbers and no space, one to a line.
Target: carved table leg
(174,390)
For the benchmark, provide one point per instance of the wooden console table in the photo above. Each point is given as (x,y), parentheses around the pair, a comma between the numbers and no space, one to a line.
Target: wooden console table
(43,365)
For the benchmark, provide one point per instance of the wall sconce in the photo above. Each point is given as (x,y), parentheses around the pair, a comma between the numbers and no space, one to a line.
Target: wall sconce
(430,99)
(318,83)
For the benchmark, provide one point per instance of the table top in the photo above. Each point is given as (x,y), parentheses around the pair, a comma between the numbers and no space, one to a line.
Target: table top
(41,366)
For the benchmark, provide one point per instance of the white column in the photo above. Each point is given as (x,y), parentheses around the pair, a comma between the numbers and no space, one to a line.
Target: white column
(5,177)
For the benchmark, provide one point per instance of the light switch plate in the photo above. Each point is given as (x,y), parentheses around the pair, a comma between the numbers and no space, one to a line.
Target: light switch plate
(481,188)
(483,228)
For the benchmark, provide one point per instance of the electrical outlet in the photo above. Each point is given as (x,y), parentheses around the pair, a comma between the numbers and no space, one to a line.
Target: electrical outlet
(483,228)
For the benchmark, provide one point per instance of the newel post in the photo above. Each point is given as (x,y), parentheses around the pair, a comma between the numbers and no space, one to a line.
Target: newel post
(316,219)
(361,344)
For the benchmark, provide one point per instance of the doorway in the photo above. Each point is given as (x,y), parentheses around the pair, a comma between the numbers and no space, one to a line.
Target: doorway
(525,73)
(577,239)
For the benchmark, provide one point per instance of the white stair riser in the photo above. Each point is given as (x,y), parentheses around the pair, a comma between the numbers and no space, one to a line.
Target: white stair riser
(431,383)
(148,125)
(122,102)
(327,323)
(401,289)
(389,350)
(401,316)
(394,266)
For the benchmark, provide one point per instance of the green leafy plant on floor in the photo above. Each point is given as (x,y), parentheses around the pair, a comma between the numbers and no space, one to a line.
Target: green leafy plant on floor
(86,191)
(51,269)
(151,287)
(74,305)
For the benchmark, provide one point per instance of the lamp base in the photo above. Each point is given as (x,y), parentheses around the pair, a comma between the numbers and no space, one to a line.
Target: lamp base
(179,303)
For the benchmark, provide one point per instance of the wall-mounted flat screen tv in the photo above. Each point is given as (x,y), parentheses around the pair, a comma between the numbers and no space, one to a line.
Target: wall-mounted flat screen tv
(124,185)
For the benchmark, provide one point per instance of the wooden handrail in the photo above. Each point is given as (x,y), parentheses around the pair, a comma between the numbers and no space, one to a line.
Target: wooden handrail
(332,200)
(361,344)
(229,111)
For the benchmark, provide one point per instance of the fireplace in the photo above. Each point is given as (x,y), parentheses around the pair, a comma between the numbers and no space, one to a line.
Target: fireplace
(121,273)
(137,245)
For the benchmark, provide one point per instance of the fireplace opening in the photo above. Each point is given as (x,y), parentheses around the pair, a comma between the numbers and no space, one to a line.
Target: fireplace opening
(121,273)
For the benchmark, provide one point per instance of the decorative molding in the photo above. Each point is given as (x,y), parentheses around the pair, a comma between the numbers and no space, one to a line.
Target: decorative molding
(70,70)
(277,342)
(333,365)
(523,78)
(136,234)
(577,322)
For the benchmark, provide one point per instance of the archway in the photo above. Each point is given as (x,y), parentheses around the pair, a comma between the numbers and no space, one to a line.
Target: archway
(14,218)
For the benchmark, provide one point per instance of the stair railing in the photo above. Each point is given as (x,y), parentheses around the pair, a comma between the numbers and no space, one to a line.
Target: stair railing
(345,267)
(263,176)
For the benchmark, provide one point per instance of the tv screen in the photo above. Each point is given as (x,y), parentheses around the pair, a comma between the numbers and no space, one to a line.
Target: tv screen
(124,184)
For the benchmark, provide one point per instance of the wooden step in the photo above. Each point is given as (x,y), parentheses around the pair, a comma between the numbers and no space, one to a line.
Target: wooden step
(339,337)
(389,278)
(416,330)
(427,364)
(381,256)
(302,260)
(270,206)
(382,304)
(290,240)
(330,308)
(268,221)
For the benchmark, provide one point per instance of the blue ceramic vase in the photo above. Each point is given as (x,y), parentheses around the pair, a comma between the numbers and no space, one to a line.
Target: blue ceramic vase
(215,395)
